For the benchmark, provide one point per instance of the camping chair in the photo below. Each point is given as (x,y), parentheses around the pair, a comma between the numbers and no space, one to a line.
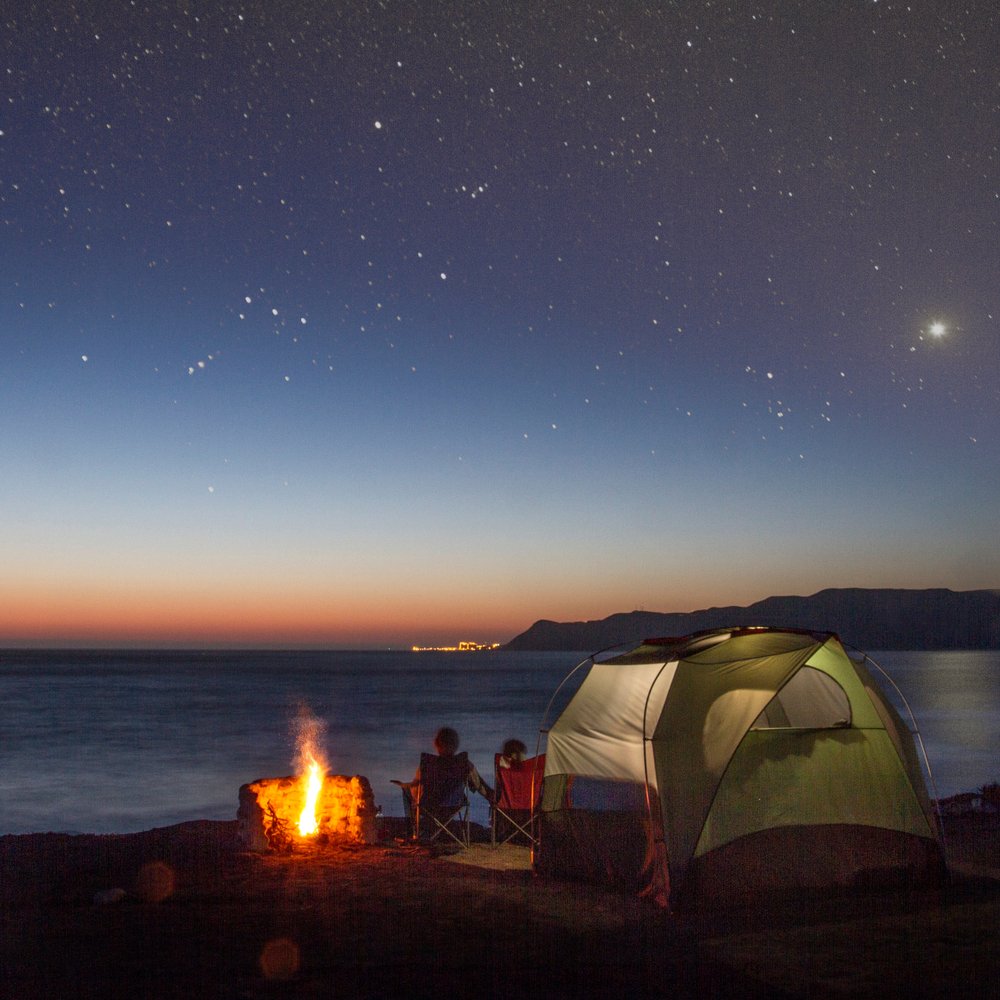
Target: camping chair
(440,800)
(518,792)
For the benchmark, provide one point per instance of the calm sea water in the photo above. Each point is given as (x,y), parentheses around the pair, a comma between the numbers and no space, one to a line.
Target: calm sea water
(122,742)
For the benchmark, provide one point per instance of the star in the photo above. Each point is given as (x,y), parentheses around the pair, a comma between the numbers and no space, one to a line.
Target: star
(937,329)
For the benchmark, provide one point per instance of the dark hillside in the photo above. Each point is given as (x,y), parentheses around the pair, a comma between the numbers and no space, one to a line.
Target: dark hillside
(868,619)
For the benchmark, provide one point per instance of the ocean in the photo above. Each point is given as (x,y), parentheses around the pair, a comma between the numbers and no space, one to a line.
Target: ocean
(123,741)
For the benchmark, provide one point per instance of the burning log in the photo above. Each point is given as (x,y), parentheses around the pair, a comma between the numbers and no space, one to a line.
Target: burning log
(279,813)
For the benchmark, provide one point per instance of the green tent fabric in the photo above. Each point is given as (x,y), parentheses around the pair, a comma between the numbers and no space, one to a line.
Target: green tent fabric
(735,761)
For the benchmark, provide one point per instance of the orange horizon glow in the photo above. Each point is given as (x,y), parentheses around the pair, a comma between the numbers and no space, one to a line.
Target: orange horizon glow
(84,613)
(40,615)
(80,611)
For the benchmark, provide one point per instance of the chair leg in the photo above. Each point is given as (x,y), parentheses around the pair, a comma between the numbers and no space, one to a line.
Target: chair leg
(461,817)
(514,828)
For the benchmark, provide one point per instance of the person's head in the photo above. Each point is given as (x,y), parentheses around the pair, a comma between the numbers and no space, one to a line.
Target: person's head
(514,750)
(446,741)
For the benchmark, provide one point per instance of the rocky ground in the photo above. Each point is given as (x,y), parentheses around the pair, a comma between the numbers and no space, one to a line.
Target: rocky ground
(183,912)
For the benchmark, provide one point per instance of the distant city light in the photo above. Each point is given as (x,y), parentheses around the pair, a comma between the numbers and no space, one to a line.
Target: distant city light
(462,647)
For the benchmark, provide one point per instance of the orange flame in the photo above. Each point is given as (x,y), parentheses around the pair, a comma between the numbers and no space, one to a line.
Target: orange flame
(313,780)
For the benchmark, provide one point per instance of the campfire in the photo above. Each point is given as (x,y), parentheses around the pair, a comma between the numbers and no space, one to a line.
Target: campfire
(279,813)
(310,807)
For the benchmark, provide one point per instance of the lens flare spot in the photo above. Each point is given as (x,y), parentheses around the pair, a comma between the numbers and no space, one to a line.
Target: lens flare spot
(155,882)
(279,959)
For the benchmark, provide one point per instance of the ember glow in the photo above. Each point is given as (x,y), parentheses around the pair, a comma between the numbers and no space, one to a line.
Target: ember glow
(313,781)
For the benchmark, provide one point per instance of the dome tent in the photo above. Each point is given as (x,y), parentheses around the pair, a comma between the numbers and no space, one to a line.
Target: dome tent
(728,763)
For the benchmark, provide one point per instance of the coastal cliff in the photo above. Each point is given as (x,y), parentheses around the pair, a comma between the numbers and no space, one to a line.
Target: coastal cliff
(865,618)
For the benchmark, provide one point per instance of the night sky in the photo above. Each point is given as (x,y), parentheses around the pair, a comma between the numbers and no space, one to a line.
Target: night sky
(362,324)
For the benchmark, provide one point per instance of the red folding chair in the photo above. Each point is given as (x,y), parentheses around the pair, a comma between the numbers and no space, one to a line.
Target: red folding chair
(518,791)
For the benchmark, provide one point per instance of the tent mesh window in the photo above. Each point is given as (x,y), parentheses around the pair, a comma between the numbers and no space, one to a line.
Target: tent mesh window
(810,700)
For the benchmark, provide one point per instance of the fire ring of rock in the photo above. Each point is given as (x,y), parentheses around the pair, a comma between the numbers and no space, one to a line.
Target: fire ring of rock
(270,809)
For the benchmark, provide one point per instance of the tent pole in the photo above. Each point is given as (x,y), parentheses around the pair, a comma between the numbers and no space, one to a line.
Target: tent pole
(920,743)
(656,828)
(543,730)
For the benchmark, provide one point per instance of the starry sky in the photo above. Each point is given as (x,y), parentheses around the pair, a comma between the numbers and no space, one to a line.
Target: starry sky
(363,324)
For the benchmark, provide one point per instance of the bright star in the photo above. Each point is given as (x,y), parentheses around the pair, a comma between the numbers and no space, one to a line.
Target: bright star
(938,329)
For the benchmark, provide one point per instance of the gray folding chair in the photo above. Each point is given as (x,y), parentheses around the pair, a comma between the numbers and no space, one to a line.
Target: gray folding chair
(440,801)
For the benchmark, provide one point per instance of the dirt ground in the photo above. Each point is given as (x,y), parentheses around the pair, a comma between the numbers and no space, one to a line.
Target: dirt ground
(183,912)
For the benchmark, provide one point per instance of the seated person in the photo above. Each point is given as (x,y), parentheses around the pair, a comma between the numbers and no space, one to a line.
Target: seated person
(446,744)
(518,784)
(513,753)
